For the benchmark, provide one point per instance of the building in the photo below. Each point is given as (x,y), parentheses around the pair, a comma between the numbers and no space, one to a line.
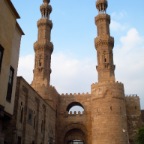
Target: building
(10,37)
(42,115)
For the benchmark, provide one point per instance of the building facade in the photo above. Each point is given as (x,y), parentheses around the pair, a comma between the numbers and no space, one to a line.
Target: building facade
(33,120)
(10,37)
(42,115)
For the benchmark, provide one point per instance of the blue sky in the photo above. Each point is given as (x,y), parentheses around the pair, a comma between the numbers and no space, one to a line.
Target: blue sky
(74,57)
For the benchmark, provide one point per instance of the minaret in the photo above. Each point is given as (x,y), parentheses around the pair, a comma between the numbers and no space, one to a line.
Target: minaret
(104,44)
(108,108)
(43,49)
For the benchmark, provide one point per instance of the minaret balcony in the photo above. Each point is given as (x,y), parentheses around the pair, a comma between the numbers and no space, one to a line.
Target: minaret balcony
(104,40)
(102,17)
(45,22)
(105,66)
(43,45)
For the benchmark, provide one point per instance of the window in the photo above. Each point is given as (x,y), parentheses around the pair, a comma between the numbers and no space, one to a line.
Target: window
(21,115)
(30,116)
(1,56)
(10,84)
(42,125)
(21,112)
(34,125)
(19,140)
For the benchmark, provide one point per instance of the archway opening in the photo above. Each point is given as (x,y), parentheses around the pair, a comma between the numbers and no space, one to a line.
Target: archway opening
(75,107)
(75,136)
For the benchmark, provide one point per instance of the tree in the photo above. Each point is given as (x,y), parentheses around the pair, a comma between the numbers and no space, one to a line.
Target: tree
(140,136)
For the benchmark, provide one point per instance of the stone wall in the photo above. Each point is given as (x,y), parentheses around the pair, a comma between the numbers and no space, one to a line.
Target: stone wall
(76,123)
(133,115)
(34,120)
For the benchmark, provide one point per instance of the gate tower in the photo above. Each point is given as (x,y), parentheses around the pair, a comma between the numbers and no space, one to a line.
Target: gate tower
(109,121)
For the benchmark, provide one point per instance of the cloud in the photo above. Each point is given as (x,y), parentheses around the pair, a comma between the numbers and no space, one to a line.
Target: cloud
(132,41)
(117,26)
(129,60)
(70,74)
(119,15)
(25,67)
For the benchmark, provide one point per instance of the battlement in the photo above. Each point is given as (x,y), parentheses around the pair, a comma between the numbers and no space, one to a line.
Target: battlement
(132,97)
(52,86)
(108,82)
(75,94)
(75,113)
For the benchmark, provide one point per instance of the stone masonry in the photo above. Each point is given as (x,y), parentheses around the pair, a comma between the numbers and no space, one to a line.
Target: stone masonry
(42,115)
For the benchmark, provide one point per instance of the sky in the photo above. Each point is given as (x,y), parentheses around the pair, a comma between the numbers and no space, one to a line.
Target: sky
(74,58)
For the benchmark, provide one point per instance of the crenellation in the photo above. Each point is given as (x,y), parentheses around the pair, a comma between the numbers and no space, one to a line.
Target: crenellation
(74,94)
(132,96)
(75,113)
(129,98)
(108,82)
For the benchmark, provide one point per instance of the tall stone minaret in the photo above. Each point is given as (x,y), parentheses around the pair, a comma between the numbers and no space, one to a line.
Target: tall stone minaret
(108,108)
(104,44)
(43,50)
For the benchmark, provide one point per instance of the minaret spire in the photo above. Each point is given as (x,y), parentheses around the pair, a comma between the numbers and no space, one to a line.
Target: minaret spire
(104,44)
(43,50)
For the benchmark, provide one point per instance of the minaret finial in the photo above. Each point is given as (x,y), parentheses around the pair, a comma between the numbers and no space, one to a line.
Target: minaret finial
(45,9)
(46,1)
(101,5)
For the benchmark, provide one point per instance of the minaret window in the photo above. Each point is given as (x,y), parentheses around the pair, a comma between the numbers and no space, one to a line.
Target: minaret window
(105,59)
(39,62)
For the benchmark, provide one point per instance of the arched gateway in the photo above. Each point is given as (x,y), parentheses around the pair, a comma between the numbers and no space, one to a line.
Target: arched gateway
(75,133)
(74,128)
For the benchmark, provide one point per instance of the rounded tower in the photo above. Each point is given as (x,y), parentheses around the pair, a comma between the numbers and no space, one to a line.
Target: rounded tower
(109,121)
(43,49)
